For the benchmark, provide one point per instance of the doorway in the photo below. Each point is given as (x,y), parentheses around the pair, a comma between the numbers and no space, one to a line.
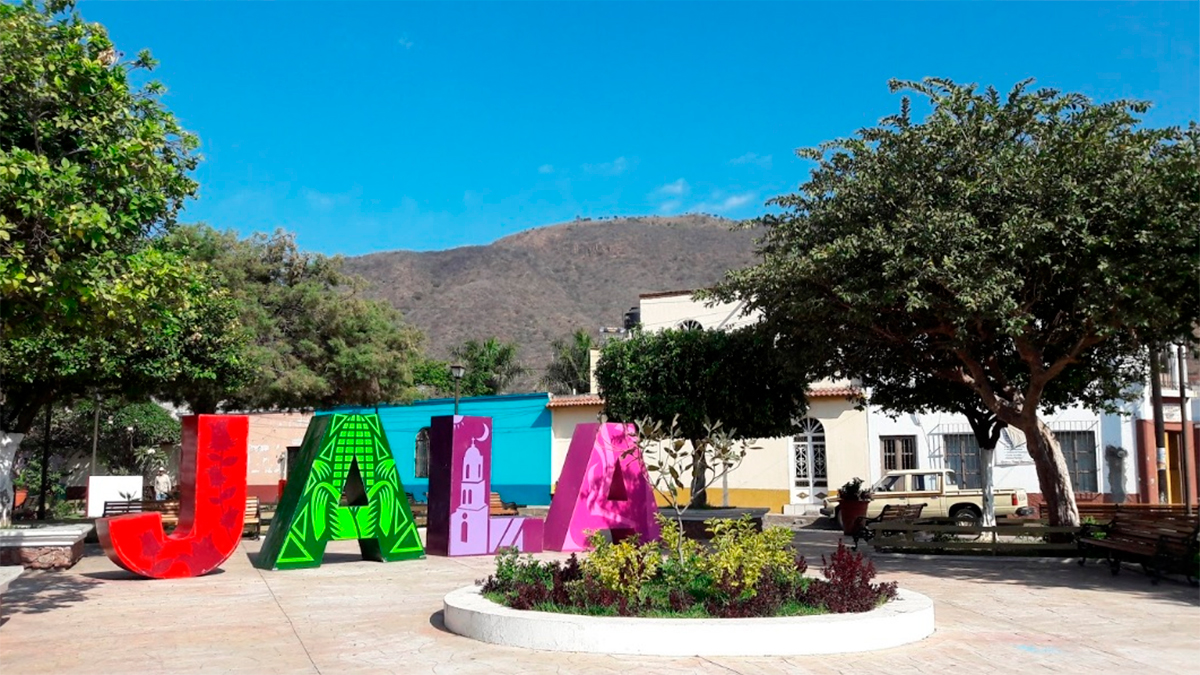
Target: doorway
(1174,469)
(810,481)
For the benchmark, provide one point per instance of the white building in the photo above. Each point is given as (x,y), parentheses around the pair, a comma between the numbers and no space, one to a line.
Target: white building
(1111,457)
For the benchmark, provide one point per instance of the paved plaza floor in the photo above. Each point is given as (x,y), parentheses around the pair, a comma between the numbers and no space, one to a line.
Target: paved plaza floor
(351,616)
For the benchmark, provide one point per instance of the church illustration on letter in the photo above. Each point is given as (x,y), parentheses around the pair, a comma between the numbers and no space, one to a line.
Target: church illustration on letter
(460,468)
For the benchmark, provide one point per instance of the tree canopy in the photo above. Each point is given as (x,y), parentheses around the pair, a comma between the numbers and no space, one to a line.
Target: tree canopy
(90,166)
(128,442)
(314,341)
(1027,247)
(702,377)
(492,367)
(570,371)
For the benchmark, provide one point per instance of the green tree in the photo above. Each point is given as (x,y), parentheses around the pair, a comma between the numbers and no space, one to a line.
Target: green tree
(128,441)
(92,169)
(192,334)
(570,371)
(432,377)
(492,367)
(1003,244)
(89,167)
(314,341)
(690,380)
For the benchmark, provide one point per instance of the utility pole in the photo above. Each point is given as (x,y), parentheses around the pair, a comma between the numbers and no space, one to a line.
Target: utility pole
(1185,432)
(1160,433)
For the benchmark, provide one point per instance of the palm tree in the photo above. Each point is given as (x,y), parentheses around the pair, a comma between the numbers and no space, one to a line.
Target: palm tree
(492,366)
(570,371)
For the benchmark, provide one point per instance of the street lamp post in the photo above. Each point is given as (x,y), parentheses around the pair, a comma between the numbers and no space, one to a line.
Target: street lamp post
(457,372)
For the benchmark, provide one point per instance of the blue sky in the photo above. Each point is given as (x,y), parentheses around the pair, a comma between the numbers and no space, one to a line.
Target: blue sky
(378,126)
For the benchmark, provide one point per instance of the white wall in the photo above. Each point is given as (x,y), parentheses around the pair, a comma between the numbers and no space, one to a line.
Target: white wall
(659,313)
(1014,468)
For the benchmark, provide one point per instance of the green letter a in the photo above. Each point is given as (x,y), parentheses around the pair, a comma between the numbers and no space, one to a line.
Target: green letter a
(338,448)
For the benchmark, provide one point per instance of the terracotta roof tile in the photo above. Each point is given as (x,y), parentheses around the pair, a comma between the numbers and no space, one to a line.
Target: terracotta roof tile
(835,392)
(580,400)
(574,401)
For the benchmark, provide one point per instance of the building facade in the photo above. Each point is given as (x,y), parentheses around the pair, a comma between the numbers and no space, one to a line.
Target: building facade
(521,441)
(788,475)
(1112,457)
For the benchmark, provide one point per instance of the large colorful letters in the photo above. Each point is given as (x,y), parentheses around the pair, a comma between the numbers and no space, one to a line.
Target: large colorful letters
(341,454)
(212,490)
(460,467)
(603,485)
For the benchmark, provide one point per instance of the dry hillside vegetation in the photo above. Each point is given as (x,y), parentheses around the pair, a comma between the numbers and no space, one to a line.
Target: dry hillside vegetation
(541,284)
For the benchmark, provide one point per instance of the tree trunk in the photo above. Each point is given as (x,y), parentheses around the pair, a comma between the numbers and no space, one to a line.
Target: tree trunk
(699,496)
(1053,476)
(986,427)
(8,454)
(986,459)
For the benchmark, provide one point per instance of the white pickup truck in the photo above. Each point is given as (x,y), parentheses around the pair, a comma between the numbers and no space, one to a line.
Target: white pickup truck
(938,491)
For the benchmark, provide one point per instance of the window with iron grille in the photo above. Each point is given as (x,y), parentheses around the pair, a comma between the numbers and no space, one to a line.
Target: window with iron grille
(1079,449)
(421,454)
(899,452)
(962,456)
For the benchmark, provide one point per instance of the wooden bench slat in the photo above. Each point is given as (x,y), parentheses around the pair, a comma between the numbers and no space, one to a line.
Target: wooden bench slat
(892,513)
(498,507)
(1162,542)
(252,518)
(169,511)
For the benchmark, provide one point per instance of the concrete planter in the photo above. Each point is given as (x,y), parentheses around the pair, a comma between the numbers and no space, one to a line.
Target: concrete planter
(40,548)
(906,619)
(7,576)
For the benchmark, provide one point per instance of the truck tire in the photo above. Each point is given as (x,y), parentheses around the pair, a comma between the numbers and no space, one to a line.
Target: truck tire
(967,516)
(837,517)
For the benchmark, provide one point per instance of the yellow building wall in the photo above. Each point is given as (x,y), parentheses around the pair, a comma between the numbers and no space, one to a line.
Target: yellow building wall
(562,427)
(739,497)
(846,439)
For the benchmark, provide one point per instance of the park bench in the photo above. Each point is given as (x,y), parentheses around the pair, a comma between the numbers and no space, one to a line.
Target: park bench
(1162,543)
(122,508)
(253,518)
(420,510)
(168,509)
(866,528)
(1104,512)
(499,507)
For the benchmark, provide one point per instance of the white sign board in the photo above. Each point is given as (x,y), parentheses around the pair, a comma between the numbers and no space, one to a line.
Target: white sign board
(110,489)
(1012,449)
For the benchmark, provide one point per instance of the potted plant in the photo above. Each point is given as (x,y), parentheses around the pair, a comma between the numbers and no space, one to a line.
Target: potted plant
(853,501)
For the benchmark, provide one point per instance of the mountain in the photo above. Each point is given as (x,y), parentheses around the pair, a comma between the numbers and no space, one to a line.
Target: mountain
(541,284)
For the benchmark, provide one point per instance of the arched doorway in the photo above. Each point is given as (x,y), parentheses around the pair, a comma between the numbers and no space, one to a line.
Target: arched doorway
(810,482)
(421,454)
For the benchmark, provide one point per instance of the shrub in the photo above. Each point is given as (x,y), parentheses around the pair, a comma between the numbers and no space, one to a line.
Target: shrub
(847,585)
(743,555)
(623,567)
(742,573)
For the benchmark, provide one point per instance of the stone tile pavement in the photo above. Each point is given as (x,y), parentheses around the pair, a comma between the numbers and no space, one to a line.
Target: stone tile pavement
(351,616)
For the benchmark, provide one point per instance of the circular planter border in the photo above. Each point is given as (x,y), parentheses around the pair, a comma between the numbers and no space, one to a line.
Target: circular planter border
(906,619)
